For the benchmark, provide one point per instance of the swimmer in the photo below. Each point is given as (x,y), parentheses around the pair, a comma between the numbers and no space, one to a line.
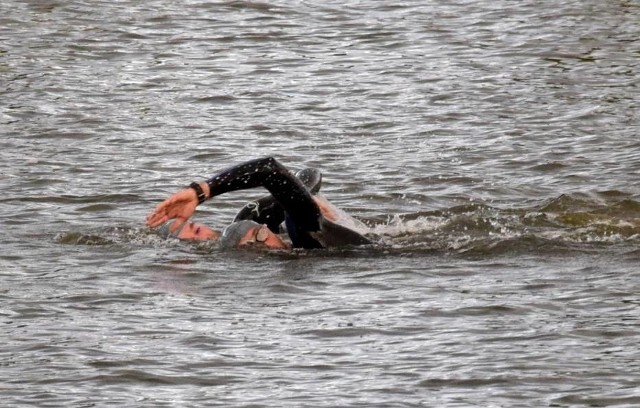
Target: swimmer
(310,220)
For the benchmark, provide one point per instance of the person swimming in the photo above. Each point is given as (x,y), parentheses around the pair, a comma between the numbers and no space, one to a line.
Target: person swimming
(310,221)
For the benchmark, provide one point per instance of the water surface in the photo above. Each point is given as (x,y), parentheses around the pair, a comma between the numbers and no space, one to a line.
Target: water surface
(491,146)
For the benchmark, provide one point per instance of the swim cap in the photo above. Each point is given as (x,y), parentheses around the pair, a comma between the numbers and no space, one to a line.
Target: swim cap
(232,235)
(165,229)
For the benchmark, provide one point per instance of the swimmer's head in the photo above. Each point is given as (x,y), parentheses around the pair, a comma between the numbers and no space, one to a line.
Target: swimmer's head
(246,232)
(188,231)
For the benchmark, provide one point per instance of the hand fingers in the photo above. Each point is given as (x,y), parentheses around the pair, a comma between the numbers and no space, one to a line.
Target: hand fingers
(163,213)
(172,207)
(154,219)
(159,216)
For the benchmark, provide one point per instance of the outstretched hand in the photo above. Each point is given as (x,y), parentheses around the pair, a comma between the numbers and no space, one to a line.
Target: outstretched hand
(180,205)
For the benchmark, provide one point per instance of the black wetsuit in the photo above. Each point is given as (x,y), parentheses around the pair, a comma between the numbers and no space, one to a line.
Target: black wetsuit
(268,211)
(306,225)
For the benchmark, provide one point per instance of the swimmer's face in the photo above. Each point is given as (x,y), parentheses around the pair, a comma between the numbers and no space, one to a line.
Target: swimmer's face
(198,232)
(262,236)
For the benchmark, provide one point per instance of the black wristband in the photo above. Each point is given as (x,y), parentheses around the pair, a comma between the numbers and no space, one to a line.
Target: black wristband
(201,197)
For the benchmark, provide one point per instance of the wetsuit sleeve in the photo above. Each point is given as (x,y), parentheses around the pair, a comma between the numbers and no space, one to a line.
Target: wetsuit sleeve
(287,189)
(265,210)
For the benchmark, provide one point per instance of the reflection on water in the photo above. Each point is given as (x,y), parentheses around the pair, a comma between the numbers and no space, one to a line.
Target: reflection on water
(491,147)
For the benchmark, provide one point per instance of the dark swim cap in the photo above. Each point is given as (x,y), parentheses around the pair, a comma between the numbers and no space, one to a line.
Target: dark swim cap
(232,235)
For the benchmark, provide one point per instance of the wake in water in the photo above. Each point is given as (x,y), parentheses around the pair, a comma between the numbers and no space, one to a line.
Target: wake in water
(567,223)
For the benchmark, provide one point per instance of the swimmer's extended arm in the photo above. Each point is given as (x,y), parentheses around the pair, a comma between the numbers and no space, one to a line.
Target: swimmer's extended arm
(286,188)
